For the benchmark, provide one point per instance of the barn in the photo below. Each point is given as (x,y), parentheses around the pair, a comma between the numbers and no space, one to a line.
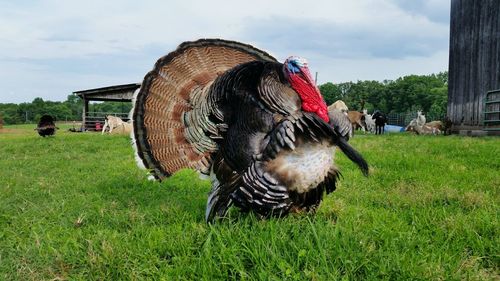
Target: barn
(120,93)
(474,67)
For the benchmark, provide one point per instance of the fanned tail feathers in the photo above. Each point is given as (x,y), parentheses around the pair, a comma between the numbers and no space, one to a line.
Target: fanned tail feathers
(171,111)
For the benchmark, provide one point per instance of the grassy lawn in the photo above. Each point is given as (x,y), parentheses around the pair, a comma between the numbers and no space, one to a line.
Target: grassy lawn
(75,207)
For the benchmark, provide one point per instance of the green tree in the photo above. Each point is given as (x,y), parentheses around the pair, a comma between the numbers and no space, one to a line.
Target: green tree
(331,92)
(405,94)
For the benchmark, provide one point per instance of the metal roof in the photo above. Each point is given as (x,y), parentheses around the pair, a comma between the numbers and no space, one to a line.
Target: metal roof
(123,92)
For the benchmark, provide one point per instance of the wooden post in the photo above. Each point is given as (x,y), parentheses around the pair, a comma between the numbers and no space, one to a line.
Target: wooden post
(84,113)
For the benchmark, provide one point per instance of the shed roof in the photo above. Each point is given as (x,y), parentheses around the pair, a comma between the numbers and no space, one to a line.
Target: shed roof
(123,92)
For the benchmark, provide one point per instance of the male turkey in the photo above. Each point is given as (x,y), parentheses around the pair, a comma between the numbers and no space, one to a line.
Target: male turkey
(258,127)
(46,126)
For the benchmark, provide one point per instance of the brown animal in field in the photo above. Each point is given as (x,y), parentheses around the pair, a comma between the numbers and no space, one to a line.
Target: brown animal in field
(412,126)
(428,130)
(431,128)
(357,120)
(436,124)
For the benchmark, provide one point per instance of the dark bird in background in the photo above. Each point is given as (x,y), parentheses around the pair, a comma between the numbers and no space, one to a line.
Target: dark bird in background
(46,126)
(259,128)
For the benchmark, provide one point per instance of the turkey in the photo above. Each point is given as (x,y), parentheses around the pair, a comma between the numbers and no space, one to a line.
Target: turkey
(259,128)
(46,126)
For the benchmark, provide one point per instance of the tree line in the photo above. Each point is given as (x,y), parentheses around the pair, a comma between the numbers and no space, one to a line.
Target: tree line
(428,93)
(68,110)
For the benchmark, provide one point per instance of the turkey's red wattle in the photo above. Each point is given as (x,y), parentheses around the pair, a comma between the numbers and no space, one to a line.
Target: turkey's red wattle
(312,100)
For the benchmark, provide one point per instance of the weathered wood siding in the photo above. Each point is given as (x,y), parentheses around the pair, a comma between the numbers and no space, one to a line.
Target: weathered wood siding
(474,66)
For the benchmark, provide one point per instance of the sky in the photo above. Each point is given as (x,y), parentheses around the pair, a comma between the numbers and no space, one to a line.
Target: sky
(50,48)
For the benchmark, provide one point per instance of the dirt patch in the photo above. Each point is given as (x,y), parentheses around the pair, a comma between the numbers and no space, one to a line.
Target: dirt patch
(12,131)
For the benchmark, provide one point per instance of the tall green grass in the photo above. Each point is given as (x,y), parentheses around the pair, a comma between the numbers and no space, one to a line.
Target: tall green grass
(75,207)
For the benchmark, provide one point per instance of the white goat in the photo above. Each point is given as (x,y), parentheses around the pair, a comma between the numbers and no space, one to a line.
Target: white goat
(420,119)
(112,122)
(419,126)
(370,123)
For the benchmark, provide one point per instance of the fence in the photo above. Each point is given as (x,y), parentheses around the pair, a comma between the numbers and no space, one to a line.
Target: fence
(403,119)
(492,111)
(92,118)
(398,119)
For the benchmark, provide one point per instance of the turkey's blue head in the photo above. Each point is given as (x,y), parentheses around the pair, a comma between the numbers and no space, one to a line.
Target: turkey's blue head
(300,79)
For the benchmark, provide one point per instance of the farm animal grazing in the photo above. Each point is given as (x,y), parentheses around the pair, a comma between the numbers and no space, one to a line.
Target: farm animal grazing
(112,122)
(419,126)
(417,123)
(260,128)
(420,119)
(123,129)
(433,127)
(340,105)
(412,126)
(427,129)
(357,120)
(380,121)
(369,122)
(435,124)
(46,126)
(430,130)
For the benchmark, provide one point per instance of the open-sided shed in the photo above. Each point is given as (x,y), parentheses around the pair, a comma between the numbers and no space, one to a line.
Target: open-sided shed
(119,93)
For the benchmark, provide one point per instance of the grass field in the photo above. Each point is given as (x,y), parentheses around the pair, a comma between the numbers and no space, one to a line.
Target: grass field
(75,207)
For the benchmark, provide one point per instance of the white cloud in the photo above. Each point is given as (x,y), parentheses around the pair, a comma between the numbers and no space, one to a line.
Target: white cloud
(48,48)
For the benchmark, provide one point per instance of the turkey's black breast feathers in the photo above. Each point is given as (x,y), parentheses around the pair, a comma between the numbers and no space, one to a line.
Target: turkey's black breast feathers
(249,99)
(264,125)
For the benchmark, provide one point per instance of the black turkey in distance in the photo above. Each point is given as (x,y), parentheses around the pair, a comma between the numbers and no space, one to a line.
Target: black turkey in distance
(46,126)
